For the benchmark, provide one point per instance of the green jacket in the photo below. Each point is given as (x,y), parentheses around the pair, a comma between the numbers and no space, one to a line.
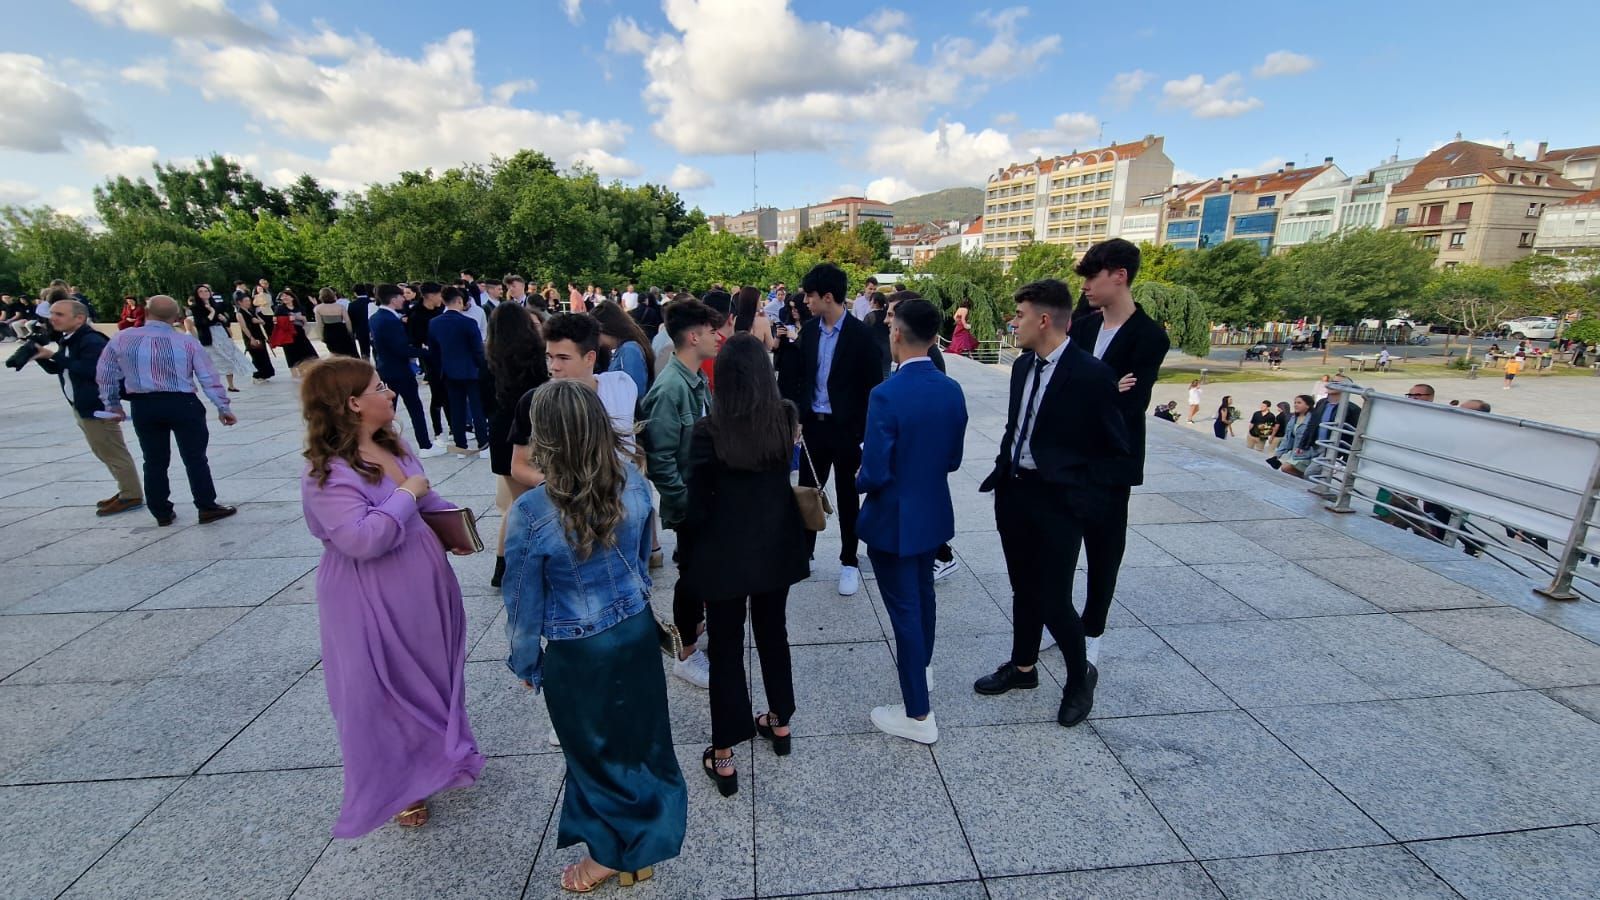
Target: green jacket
(676,400)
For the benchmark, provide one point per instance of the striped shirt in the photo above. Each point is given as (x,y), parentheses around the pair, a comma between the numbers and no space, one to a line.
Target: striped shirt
(156,357)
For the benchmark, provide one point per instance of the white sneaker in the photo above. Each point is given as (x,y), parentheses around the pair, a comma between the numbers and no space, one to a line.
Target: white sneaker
(696,669)
(941,569)
(811,564)
(431,452)
(893,720)
(555,739)
(461,456)
(849,581)
(484,453)
(1091,646)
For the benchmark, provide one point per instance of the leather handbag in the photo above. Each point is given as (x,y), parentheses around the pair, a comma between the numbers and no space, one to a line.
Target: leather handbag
(815,508)
(457,529)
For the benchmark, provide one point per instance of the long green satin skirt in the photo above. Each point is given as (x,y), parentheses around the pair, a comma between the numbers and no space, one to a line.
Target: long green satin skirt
(607,697)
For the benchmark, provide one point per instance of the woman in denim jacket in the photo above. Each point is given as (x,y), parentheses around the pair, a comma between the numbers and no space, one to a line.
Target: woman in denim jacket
(577,564)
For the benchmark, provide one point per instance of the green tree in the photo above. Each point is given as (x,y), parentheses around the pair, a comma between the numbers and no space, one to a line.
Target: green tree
(1180,311)
(1475,299)
(832,242)
(793,263)
(1038,260)
(1235,281)
(1354,275)
(46,244)
(197,195)
(871,234)
(704,258)
(975,266)
(1586,330)
(1159,262)
(990,310)
(308,199)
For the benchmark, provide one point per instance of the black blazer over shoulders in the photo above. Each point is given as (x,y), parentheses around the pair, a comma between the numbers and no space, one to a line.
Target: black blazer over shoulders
(742,534)
(856,370)
(1138,347)
(1080,436)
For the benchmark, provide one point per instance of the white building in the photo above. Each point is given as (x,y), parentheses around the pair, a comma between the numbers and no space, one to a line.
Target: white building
(1569,226)
(972,237)
(1333,203)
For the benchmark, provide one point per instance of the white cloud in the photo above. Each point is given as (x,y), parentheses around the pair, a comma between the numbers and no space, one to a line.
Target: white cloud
(1284,62)
(503,92)
(196,19)
(1007,118)
(110,160)
(607,165)
(1270,164)
(1220,99)
(919,161)
(1127,85)
(148,72)
(1183,176)
(70,201)
(688,178)
(890,189)
(1005,55)
(15,193)
(1068,131)
(267,13)
(574,11)
(886,20)
(38,112)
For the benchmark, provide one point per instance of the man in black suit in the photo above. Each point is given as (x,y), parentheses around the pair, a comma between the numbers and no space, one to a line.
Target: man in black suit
(829,379)
(1116,331)
(360,311)
(393,351)
(1061,472)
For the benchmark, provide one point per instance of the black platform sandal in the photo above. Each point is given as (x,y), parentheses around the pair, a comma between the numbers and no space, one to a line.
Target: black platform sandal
(728,784)
(780,743)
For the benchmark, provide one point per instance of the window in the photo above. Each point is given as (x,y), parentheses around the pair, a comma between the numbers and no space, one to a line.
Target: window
(1533,210)
(1463,212)
(1400,216)
(1451,265)
(1461,182)
(1526,240)
(1458,239)
(1266,202)
(1430,241)
(1433,215)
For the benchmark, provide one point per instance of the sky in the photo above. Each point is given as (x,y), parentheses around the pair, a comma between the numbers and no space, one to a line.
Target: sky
(737,102)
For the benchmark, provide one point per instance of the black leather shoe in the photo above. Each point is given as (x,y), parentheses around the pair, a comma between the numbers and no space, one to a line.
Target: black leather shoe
(1006,678)
(166,520)
(215,513)
(499,571)
(1076,704)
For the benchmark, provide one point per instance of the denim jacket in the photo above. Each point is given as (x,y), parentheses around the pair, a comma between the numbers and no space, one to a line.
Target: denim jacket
(550,593)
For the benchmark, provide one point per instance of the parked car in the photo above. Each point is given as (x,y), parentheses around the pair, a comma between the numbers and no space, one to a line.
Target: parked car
(1393,323)
(1539,328)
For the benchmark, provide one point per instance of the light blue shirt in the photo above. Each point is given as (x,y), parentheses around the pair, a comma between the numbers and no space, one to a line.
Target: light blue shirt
(827,342)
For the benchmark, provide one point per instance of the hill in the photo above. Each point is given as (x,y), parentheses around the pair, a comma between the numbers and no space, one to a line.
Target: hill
(964,203)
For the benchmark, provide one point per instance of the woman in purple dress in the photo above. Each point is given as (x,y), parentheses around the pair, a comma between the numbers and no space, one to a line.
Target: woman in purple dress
(393,628)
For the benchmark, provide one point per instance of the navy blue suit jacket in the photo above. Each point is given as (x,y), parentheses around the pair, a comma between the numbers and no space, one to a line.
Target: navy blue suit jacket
(916,424)
(391,347)
(456,346)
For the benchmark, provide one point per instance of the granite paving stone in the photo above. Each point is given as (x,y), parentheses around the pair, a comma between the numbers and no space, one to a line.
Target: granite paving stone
(1450,766)
(134,645)
(301,590)
(233,583)
(1395,584)
(816,614)
(1270,663)
(963,605)
(1173,881)
(955,890)
(1140,675)
(1229,506)
(20,584)
(835,687)
(33,717)
(1177,595)
(295,732)
(1554,864)
(115,587)
(1304,539)
(24,639)
(855,811)
(249,834)
(507,718)
(271,638)
(958,661)
(1585,700)
(993,773)
(1157,509)
(1535,653)
(1362,873)
(53,832)
(1230,788)
(1207,542)
(1283,591)
(1400,660)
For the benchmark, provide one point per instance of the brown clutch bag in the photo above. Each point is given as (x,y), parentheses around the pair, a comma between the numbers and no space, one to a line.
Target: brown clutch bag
(457,529)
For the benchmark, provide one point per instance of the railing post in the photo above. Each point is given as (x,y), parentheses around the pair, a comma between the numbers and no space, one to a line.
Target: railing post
(1331,454)
(1561,583)
(1341,503)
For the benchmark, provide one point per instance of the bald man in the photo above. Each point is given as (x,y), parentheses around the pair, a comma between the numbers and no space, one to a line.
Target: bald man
(157,367)
(73,362)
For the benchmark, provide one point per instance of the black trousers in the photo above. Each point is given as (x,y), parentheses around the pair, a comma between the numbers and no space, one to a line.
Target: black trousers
(1041,527)
(731,722)
(688,611)
(466,407)
(158,418)
(835,449)
(438,399)
(1103,545)
(406,389)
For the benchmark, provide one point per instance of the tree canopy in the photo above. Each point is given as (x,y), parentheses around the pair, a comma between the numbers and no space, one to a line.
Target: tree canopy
(1354,275)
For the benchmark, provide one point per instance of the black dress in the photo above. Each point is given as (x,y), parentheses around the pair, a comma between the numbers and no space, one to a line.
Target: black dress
(336,336)
(511,404)
(300,349)
(256,328)
(649,318)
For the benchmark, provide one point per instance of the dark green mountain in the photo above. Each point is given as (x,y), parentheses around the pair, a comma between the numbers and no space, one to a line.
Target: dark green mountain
(964,203)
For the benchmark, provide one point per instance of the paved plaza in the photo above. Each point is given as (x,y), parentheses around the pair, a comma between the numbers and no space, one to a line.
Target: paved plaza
(1292,704)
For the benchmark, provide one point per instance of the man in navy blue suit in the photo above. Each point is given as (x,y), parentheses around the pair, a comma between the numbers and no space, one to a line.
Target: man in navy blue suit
(457,348)
(391,350)
(915,425)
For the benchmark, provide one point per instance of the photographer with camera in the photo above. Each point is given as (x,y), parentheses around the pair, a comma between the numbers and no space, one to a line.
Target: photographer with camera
(73,362)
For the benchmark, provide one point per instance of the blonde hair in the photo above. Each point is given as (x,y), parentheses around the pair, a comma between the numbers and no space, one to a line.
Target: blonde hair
(577,448)
(333,429)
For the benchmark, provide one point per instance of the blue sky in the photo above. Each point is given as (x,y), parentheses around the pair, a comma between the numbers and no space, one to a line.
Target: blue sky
(836,97)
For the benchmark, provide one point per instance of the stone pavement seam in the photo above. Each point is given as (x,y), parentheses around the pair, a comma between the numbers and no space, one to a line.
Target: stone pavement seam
(180,782)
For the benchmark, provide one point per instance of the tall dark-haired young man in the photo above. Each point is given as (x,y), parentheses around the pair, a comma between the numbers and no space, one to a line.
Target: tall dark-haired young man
(456,345)
(1062,464)
(1115,330)
(360,310)
(828,379)
(392,352)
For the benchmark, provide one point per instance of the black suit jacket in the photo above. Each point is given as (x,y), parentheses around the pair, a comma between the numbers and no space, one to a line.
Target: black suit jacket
(856,370)
(75,360)
(1079,436)
(360,312)
(1138,347)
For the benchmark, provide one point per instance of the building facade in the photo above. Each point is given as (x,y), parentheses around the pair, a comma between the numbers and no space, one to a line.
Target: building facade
(1074,200)
(1253,207)
(972,237)
(1571,226)
(1577,164)
(850,212)
(790,222)
(760,223)
(1472,204)
(1319,210)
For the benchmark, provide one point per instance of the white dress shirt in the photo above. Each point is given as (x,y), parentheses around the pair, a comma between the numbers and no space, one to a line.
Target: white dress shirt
(1050,366)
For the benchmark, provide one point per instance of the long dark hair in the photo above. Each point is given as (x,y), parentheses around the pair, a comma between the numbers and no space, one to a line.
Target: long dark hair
(745,307)
(516,353)
(751,425)
(615,322)
(200,312)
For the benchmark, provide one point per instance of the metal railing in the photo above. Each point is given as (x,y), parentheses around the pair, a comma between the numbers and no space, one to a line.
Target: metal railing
(1447,473)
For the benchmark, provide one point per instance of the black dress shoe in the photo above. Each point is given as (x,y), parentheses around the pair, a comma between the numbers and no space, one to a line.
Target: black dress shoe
(1076,703)
(164,521)
(499,571)
(1006,678)
(207,516)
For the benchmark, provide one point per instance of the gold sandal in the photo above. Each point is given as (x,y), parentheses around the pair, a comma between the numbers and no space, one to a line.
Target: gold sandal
(572,878)
(413,816)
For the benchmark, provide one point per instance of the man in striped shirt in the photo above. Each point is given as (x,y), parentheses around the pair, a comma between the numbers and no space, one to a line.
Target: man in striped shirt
(157,366)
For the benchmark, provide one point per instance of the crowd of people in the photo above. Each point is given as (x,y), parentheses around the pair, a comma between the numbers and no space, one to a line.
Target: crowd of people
(743,425)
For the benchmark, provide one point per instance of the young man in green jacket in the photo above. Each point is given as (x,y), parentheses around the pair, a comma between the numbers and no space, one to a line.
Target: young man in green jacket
(679,398)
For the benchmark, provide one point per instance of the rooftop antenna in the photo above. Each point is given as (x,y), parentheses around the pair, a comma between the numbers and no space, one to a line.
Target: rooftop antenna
(1101,137)
(755,204)
(1396,150)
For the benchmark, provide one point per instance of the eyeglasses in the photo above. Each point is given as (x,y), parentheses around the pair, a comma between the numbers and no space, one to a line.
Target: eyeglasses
(380,389)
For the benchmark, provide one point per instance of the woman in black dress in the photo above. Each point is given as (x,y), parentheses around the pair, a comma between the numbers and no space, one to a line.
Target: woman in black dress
(257,331)
(516,362)
(298,351)
(648,313)
(335,323)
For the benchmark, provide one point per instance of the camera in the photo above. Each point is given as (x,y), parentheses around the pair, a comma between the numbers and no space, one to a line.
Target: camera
(29,348)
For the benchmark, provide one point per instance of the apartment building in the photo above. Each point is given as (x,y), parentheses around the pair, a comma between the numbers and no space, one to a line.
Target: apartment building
(1577,164)
(1318,210)
(759,223)
(1073,200)
(1570,226)
(1474,204)
(851,211)
(1207,213)
(790,223)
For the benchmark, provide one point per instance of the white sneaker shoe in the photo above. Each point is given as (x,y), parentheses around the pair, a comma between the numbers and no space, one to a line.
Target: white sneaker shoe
(1091,646)
(431,452)
(696,669)
(461,456)
(941,569)
(811,564)
(849,581)
(555,739)
(484,453)
(893,720)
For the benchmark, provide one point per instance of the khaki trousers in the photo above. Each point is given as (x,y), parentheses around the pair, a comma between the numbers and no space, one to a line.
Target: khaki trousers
(105,441)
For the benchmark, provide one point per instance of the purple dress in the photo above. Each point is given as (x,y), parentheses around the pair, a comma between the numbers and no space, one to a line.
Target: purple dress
(393,645)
